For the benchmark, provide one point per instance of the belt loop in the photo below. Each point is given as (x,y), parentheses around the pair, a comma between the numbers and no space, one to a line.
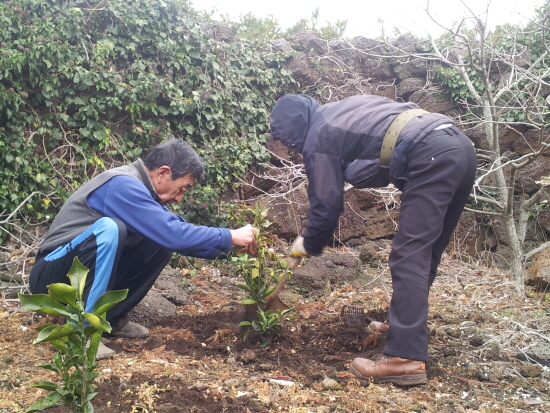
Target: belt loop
(390,138)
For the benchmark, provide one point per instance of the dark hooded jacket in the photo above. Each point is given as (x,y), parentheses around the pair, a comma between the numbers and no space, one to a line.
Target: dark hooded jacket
(340,142)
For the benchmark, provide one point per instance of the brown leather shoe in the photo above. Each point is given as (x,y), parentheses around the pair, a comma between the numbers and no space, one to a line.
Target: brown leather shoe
(388,369)
(379,327)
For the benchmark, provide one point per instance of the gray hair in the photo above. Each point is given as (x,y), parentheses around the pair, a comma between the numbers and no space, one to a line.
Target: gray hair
(179,156)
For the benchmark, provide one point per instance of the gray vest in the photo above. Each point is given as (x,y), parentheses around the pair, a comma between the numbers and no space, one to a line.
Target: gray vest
(76,216)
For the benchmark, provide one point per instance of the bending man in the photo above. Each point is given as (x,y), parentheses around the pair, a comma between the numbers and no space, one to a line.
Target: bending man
(423,154)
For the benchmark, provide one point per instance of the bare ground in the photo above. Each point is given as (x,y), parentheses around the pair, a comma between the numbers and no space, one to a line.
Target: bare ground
(481,334)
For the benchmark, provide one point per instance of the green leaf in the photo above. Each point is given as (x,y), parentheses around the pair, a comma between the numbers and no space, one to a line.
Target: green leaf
(51,400)
(269,291)
(49,366)
(46,385)
(62,293)
(60,345)
(261,315)
(42,303)
(256,326)
(77,274)
(91,351)
(248,301)
(243,287)
(43,326)
(245,323)
(109,300)
(99,323)
(54,333)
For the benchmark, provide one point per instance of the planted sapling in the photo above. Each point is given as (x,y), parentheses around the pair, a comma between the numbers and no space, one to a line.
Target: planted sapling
(76,341)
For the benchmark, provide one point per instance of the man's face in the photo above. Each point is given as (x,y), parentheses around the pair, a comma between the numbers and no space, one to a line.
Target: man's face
(171,190)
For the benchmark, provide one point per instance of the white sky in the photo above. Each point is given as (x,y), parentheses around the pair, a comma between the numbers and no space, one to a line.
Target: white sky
(364,17)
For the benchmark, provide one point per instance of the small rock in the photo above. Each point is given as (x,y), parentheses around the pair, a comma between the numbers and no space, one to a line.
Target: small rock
(198,386)
(453,332)
(469,329)
(492,374)
(247,356)
(122,386)
(167,408)
(477,341)
(449,351)
(265,367)
(530,370)
(233,382)
(370,254)
(540,353)
(4,256)
(231,360)
(473,371)
(331,384)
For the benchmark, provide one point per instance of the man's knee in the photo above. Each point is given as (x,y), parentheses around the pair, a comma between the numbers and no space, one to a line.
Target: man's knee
(110,228)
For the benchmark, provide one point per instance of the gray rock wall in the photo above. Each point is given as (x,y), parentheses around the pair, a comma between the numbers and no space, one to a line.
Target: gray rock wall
(339,69)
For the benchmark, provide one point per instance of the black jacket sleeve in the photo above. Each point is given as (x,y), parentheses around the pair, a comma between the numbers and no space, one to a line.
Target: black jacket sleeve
(326,200)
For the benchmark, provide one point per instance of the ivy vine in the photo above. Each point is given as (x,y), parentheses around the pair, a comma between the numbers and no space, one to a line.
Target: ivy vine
(89,85)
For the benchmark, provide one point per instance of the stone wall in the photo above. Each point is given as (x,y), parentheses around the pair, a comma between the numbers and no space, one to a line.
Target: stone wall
(339,69)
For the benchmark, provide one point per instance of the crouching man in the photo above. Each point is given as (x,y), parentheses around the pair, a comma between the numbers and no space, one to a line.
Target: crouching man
(119,227)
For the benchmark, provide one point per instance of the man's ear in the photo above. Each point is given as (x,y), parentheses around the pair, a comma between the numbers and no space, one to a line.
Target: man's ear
(164,172)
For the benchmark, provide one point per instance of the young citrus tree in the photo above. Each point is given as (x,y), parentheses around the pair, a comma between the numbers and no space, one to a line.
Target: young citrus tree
(261,275)
(76,341)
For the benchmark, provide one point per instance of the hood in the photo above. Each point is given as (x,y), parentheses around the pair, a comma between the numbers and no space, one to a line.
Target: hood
(290,120)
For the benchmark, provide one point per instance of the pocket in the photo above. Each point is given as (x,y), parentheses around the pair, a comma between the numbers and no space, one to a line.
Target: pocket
(431,149)
(448,159)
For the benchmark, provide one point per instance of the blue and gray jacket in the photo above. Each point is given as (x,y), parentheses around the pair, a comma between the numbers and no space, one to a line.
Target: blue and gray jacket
(128,194)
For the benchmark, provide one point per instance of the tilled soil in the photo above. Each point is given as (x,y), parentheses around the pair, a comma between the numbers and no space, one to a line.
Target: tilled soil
(196,361)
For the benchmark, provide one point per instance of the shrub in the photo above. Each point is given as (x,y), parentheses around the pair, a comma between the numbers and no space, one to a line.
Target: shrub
(88,85)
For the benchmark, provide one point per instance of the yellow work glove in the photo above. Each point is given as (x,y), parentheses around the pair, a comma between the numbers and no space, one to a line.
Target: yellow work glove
(297,250)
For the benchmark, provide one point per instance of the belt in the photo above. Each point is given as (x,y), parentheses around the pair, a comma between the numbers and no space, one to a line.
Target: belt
(393,133)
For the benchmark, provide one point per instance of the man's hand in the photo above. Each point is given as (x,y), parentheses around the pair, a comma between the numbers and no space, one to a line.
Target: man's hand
(297,250)
(245,237)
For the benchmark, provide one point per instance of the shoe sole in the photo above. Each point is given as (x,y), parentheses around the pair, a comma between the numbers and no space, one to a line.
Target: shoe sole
(104,352)
(126,335)
(405,380)
(105,356)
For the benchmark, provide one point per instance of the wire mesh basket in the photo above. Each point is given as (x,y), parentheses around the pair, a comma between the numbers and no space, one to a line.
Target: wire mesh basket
(354,316)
